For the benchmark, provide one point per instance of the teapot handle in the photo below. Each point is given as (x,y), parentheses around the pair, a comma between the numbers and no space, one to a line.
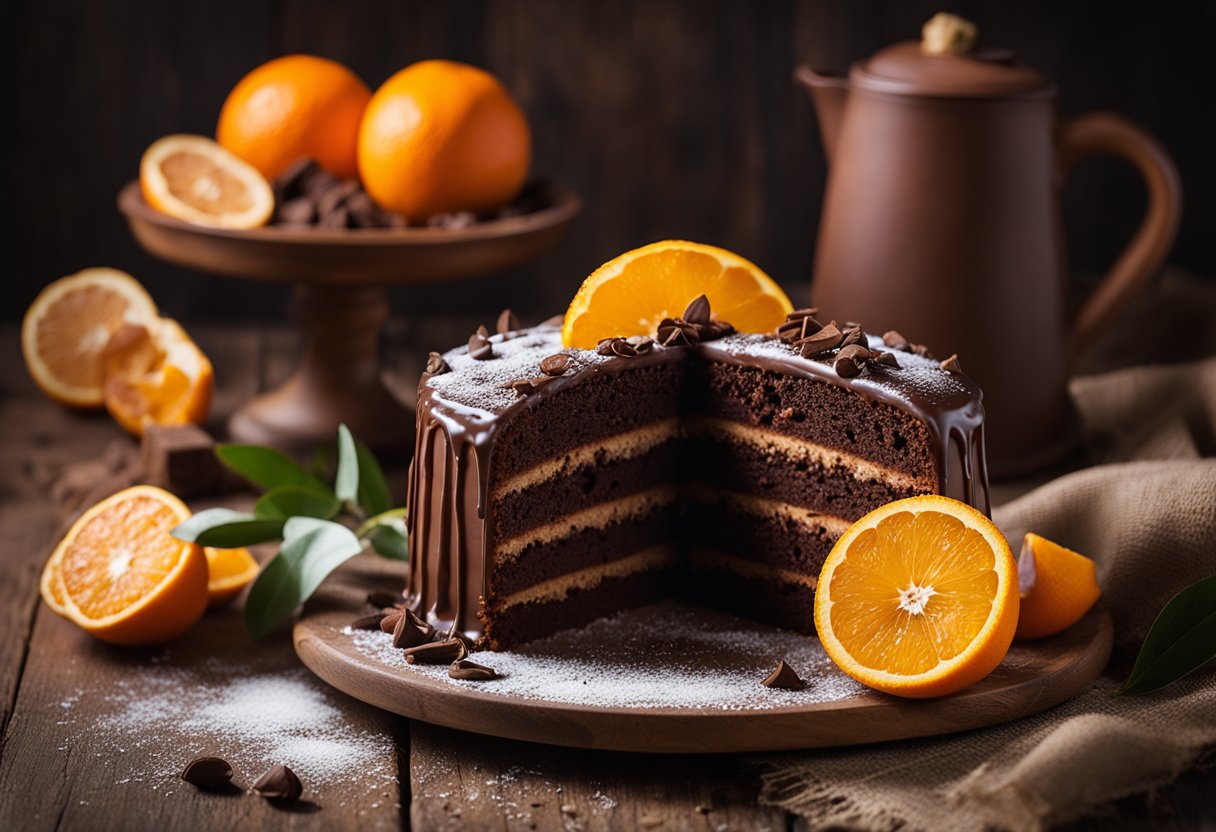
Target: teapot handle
(1109,134)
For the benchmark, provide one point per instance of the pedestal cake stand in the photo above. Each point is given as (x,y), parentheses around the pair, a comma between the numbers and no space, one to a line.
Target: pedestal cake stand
(340,278)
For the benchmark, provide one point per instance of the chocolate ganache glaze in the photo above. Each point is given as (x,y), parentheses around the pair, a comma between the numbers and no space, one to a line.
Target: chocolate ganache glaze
(467,396)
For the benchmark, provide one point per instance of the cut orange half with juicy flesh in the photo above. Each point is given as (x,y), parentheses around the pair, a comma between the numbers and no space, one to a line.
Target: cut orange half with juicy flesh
(918,598)
(228,572)
(123,577)
(156,375)
(631,294)
(68,326)
(192,178)
(1058,587)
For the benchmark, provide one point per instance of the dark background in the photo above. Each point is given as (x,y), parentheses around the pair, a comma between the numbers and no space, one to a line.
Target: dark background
(671,119)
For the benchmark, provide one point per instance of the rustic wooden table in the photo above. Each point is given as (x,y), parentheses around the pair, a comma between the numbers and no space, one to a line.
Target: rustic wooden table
(64,764)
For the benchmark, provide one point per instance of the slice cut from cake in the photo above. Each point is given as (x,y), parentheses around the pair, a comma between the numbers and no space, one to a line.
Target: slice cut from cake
(552,486)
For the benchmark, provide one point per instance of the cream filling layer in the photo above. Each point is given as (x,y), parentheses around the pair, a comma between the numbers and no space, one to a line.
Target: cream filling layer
(557,589)
(615,448)
(764,507)
(772,443)
(707,561)
(595,517)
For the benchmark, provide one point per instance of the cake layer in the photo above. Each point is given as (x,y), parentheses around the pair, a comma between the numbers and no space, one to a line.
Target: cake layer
(761,531)
(748,589)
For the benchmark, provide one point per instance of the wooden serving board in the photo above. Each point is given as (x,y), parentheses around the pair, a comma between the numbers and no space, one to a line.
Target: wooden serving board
(833,711)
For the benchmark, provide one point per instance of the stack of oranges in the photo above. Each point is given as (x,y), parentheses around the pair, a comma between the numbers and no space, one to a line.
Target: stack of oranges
(436,137)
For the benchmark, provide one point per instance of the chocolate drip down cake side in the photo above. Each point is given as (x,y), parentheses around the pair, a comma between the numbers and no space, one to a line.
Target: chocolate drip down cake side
(552,486)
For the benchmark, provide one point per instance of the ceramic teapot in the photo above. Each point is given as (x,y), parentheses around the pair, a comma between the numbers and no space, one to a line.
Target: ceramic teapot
(942,220)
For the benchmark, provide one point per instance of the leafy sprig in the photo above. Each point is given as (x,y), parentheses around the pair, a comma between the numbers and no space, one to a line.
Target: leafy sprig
(320,527)
(1181,640)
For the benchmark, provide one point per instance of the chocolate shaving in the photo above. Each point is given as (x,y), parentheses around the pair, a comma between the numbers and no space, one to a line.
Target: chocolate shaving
(207,772)
(783,677)
(556,365)
(676,332)
(885,359)
(805,312)
(411,631)
(279,783)
(437,652)
(507,322)
(435,364)
(479,344)
(368,622)
(854,335)
(697,311)
(797,330)
(382,598)
(951,365)
(827,338)
(894,340)
(389,622)
(630,347)
(465,669)
(521,386)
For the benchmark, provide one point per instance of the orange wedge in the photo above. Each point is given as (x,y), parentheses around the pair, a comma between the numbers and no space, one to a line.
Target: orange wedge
(194,179)
(228,572)
(155,375)
(122,577)
(631,294)
(918,598)
(1058,586)
(68,326)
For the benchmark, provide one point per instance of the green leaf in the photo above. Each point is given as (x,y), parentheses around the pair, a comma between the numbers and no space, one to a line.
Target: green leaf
(346,484)
(224,528)
(1181,640)
(374,496)
(389,542)
(312,549)
(267,467)
(296,501)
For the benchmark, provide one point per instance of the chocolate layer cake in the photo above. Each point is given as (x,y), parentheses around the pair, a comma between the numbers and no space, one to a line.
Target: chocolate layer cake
(721,470)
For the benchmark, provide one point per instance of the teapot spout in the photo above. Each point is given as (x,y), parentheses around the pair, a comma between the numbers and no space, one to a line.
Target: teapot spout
(829,91)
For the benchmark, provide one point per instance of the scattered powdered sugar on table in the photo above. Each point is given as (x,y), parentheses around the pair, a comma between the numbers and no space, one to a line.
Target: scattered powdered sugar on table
(666,655)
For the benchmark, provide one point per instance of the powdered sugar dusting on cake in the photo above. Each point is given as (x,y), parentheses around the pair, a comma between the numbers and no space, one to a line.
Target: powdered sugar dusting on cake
(666,655)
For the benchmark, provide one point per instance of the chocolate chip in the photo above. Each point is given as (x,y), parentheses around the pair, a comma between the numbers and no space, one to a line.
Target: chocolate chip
(850,361)
(507,322)
(207,772)
(435,364)
(279,783)
(556,365)
(465,669)
(951,365)
(630,347)
(827,338)
(479,345)
(389,622)
(797,330)
(411,631)
(368,622)
(383,598)
(437,652)
(854,335)
(521,386)
(894,340)
(676,332)
(886,359)
(697,311)
(921,350)
(783,677)
(482,331)
(540,381)
(856,352)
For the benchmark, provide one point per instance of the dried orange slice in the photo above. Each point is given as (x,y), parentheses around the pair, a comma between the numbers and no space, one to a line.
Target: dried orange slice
(68,326)
(918,598)
(228,572)
(124,578)
(1058,586)
(632,293)
(156,375)
(194,179)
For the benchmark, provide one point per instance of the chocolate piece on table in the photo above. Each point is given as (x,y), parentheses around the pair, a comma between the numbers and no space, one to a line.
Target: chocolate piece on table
(556,365)
(279,783)
(951,364)
(697,311)
(181,459)
(783,677)
(465,669)
(411,631)
(508,321)
(437,652)
(435,364)
(383,599)
(479,345)
(207,772)
(371,621)
(389,623)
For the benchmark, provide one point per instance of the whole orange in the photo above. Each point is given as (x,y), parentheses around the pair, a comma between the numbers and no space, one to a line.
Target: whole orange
(443,136)
(292,108)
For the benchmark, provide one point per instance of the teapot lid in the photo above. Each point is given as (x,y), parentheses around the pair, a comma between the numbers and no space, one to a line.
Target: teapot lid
(947,63)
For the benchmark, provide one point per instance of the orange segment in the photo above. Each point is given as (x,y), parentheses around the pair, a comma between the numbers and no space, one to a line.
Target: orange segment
(918,598)
(631,294)
(68,326)
(156,375)
(1058,587)
(125,579)
(194,179)
(228,572)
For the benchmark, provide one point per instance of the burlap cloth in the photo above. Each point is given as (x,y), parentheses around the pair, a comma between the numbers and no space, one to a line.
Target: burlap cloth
(1146,512)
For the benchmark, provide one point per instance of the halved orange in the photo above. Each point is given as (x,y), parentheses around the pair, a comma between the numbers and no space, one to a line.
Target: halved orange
(192,178)
(228,572)
(1058,586)
(51,584)
(123,577)
(68,326)
(156,375)
(632,293)
(918,598)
